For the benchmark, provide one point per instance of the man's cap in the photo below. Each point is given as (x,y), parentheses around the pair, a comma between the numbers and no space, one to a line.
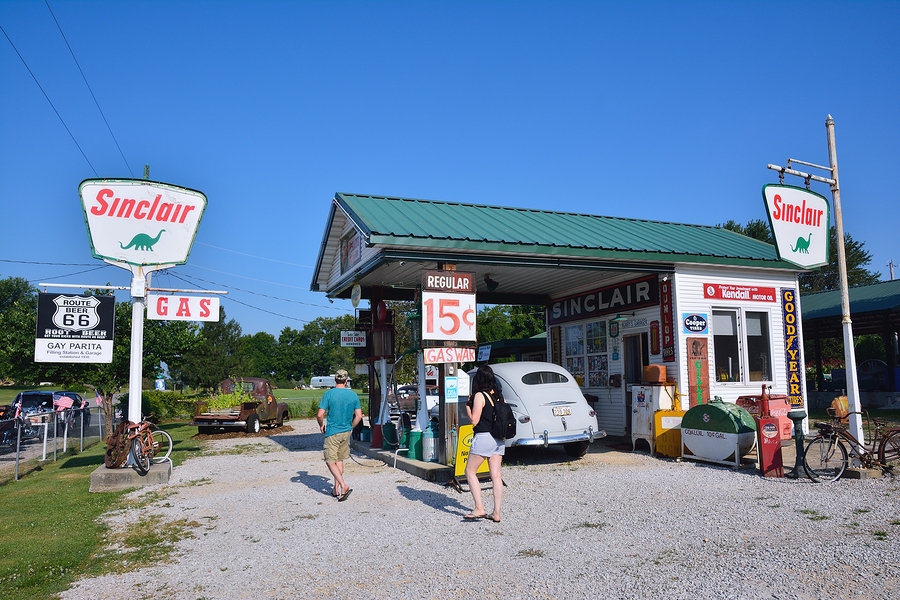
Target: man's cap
(342,375)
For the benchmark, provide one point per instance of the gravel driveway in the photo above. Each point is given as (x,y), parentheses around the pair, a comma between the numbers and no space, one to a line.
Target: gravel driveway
(613,524)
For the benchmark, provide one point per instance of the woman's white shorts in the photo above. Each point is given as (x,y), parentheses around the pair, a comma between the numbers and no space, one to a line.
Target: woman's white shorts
(485,445)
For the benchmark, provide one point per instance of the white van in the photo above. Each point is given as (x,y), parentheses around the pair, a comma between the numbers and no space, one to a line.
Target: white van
(324,381)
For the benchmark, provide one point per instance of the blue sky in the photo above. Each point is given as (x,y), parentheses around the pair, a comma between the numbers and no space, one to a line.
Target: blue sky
(658,110)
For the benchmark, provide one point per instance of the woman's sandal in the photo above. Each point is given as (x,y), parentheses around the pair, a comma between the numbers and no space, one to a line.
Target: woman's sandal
(491,517)
(343,496)
(473,517)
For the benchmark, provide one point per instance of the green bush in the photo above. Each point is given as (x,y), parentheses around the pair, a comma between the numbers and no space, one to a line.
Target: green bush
(162,404)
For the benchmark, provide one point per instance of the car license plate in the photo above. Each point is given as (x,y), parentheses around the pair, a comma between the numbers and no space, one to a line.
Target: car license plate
(561,411)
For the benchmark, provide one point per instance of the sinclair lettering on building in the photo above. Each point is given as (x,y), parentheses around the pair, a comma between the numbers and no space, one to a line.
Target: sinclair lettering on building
(800,221)
(140,222)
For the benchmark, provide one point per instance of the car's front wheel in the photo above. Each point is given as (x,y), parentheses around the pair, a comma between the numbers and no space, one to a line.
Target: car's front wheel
(576,449)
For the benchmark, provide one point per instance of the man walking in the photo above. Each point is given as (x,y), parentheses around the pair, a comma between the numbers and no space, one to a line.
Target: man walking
(342,408)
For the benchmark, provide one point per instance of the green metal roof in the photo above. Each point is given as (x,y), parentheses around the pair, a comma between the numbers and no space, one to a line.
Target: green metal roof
(878,297)
(407,222)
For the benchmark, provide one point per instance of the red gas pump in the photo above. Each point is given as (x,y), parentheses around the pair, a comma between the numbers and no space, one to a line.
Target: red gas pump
(768,439)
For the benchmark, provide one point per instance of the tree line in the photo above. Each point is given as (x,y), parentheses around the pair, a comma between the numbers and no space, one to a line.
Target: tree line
(200,356)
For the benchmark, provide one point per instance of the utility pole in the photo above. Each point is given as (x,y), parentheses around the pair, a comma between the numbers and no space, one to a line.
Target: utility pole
(849,352)
(891,266)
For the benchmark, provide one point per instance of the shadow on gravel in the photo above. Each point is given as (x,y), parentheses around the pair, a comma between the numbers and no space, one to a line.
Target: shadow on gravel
(434,500)
(316,483)
(300,441)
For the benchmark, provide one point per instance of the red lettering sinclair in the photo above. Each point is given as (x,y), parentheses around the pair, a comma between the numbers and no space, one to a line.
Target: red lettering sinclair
(797,214)
(143,210)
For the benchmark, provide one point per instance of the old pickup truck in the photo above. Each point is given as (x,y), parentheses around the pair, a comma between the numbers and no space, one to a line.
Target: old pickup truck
(259,407)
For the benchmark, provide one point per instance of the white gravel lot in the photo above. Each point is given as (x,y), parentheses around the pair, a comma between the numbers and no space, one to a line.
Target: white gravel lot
(611,525)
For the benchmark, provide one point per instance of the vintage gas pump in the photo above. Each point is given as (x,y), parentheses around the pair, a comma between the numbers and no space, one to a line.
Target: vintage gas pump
(768,441)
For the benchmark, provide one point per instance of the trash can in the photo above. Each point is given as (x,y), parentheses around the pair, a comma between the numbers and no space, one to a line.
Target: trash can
(414,438)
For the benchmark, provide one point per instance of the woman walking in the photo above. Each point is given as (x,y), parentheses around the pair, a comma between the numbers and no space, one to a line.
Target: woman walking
(480,408)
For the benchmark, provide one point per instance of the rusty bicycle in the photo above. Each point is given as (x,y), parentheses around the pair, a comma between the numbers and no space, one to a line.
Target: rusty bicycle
(143,441)
(827,458)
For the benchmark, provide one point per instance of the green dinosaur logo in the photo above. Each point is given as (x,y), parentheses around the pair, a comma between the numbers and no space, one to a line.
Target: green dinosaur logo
(802,245)
(142,241)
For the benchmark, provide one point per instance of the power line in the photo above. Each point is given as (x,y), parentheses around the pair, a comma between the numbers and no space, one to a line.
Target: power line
(53,264)
(49,101)
(70,274)
(244,303)
(259,257)
(122,154)
(194,278)
(296,287)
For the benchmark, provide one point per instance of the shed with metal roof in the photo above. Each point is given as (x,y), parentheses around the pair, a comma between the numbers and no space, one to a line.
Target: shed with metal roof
(620,294)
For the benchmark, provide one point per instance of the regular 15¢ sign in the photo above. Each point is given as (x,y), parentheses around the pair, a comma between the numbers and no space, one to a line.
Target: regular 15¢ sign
(448,306)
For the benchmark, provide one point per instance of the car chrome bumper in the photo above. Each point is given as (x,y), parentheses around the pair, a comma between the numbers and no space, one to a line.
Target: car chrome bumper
(219,423)
(588,435)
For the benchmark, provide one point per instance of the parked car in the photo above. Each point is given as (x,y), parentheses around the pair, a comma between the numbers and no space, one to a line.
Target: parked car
(258,407)
(549,405)
(37,405)
(408,395)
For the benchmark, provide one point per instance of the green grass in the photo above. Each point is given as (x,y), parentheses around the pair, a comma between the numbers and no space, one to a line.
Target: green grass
(49,530)
(305,403)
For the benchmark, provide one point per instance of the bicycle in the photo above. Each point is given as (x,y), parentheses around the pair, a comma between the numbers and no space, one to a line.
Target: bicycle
(143,441)
(148,445)
(826,457)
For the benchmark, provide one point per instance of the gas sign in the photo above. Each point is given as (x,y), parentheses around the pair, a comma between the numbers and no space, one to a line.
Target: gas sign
(448,306)
(800,222)
(140,222)
(182,308)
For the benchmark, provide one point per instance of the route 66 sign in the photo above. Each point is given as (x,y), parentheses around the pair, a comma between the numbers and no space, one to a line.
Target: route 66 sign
(75,329)
(76,312)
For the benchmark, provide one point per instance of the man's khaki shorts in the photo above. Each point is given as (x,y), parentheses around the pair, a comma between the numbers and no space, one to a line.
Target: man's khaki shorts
(337,447)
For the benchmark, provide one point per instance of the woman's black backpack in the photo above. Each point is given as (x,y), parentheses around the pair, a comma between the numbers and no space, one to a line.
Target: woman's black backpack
(503,424)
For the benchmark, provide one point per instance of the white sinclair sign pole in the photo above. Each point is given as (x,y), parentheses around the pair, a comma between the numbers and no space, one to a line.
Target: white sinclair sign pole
(804,211)
(142,226)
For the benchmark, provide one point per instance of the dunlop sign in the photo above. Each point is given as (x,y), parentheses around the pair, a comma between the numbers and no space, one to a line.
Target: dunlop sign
(140,222)
(75,329)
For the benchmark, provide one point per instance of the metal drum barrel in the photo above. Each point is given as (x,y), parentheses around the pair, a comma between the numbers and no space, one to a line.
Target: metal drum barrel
(719,432)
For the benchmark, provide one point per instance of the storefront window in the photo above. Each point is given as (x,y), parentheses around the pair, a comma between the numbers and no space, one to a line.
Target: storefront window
(759,358)
(598,362)
(731,336)
(586,346)
(575,351)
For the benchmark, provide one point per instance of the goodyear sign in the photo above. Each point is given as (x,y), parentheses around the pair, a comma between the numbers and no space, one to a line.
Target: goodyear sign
(795,368)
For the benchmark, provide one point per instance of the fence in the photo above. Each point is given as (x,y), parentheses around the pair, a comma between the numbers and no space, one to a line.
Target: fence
(46,436)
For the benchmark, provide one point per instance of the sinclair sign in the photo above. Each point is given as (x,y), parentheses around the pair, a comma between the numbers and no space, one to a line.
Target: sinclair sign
(800,221)
(140,222)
